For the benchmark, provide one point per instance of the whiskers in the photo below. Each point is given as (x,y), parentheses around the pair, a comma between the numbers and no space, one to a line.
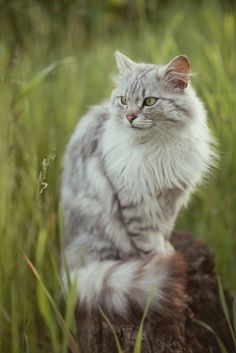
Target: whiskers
(159,128)
(143,124)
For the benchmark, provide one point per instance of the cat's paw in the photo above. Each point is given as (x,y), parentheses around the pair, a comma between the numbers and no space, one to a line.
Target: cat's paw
(162,245)
(153,242)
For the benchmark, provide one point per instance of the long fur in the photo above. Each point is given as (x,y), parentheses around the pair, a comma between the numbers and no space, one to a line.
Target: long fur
(122,288)
(123,186)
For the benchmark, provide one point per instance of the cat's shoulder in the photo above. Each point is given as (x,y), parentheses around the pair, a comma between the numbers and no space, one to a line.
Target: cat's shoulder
(87,133)
(92,120)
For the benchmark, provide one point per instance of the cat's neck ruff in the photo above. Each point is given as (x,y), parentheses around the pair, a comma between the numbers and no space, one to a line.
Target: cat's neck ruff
(174,164)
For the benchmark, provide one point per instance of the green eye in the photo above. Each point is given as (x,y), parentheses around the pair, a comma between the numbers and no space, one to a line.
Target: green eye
(124,100)
(149,101)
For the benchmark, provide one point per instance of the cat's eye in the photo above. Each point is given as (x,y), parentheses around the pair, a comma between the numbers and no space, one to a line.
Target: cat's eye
(149,101)
(124,100)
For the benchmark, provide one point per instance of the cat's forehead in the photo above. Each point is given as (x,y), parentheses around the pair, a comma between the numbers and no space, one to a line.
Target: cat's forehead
(145,77)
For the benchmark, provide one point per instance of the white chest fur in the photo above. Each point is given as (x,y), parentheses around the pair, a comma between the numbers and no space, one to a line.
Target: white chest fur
(153,173)
(148,168)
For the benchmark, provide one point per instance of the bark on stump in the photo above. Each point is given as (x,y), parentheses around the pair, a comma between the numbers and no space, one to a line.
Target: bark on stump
(178,333)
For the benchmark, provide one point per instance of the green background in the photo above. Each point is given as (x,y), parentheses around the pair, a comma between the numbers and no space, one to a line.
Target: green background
(56,60)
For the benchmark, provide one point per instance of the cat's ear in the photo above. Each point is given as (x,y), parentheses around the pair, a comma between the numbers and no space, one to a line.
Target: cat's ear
(177,72)
(124,64)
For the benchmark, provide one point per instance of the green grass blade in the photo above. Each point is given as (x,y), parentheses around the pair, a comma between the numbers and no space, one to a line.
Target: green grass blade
(38,277)
(119,349)
(44,303)
(4,314)
(70,316)
(234,314)
(61,227)
(40,249)
(226,311)
(40,76)
(71,340)
(62,237)
(26,343)
(14,321)
(219,341)
(49,318)
(138,342)
(58,277)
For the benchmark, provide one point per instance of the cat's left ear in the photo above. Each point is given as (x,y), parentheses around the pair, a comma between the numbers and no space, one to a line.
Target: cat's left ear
(124,64)
(177,72)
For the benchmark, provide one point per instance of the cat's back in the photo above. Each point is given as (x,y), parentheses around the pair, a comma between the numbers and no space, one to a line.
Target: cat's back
(86,136)
(89,128)
(82,148)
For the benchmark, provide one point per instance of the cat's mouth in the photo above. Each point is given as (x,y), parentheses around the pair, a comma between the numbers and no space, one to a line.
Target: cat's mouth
(136,127)
(141,126)
(138,124)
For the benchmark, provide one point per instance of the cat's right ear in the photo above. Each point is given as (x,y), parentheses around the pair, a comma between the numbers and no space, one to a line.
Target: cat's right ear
(124,64)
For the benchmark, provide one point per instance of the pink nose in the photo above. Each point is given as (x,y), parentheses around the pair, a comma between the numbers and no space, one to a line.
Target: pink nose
(131,117)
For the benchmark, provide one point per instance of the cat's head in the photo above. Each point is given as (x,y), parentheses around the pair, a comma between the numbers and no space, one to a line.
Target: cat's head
(153,97)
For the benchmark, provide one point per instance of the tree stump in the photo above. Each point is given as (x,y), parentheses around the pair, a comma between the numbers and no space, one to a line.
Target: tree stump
(178,333)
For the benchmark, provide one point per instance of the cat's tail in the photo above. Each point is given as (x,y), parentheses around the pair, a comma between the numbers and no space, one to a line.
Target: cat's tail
(121,288)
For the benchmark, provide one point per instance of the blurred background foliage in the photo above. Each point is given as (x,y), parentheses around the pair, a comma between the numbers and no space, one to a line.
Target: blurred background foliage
(56,60)
(46,18)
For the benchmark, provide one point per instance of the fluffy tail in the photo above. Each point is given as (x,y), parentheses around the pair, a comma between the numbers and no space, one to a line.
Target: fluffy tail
(121,288)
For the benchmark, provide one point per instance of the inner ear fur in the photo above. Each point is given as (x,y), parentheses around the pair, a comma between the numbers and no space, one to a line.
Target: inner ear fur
(177,72)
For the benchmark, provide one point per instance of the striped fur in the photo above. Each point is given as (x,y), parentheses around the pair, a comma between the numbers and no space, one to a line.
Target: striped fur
(123,186)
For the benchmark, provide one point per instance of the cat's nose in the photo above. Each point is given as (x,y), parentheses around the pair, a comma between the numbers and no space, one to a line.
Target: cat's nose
(131,118)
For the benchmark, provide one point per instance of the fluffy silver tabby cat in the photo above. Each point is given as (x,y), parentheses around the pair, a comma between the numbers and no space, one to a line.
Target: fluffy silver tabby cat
(130,166)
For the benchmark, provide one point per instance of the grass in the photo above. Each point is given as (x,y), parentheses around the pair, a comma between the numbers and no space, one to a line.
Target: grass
(45,86)
(227,314)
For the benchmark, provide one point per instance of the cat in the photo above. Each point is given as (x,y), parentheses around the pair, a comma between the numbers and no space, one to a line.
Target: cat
(131,164)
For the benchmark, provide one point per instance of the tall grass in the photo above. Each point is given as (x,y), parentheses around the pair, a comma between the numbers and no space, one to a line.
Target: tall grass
(229,315)
(42,95)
